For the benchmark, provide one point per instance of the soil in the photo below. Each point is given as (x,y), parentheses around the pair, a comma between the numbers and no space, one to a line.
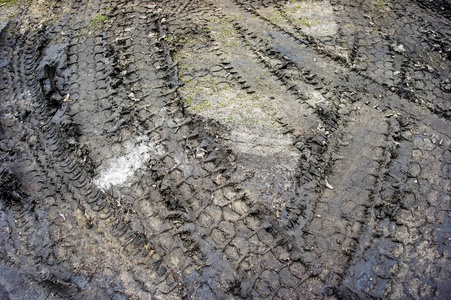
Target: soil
(225,149)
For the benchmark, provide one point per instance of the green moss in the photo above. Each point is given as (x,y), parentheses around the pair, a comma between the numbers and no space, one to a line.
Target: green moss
(380,5)
(9,2)
(179,39)
(98,21)
(309,22)
(10,8)
(12,3)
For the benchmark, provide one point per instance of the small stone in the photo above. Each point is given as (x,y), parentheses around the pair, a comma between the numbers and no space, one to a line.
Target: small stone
(200,153)
(161,271)
(316,271)
(446,86)
(328,185)
(399,48)
(219,180)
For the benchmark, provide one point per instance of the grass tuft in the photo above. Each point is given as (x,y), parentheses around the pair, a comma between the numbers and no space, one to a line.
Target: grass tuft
(98,21)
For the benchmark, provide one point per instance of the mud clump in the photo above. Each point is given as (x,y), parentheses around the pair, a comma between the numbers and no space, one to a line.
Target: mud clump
(10,187)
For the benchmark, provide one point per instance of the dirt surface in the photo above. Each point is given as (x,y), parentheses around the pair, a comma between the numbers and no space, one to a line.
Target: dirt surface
(225,149)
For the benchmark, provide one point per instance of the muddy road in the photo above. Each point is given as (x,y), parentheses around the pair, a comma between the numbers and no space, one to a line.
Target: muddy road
(225,149)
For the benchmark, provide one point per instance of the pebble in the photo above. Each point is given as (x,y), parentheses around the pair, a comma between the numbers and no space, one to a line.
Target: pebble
(328,185)
(399,48)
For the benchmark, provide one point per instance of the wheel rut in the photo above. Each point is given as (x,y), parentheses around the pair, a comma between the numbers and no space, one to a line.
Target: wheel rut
(225,150)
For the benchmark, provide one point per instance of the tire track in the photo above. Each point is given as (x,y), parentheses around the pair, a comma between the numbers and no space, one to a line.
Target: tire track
(330,184)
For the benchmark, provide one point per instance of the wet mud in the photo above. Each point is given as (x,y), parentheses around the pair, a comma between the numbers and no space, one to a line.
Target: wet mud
(225,149)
